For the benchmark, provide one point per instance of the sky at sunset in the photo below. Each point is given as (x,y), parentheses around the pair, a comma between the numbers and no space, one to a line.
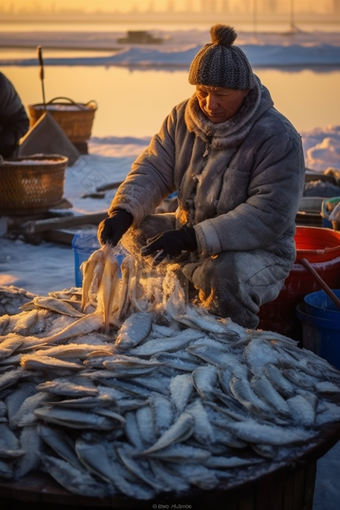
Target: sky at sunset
(162,5)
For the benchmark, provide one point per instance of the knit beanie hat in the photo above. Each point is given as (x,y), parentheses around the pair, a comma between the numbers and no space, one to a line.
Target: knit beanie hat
(220,64)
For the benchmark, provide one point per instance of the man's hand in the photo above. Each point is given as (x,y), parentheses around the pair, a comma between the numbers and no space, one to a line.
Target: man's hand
(171,243)
(112,229)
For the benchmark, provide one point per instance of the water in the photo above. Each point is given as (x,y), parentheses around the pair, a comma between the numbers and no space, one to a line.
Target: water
(31,53)
(135,102)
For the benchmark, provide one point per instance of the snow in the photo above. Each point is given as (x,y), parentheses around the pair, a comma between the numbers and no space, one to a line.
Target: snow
(33,162)
(178,49)
(258,55)
(64,107)
(48,267)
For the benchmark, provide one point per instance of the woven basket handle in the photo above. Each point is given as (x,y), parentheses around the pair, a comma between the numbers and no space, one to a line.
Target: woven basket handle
(80,106)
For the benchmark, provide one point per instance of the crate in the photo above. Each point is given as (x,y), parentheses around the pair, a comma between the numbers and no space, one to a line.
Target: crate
(31,184)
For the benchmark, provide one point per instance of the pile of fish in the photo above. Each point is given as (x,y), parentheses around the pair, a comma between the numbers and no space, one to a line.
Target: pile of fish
(125,388)
(11,298)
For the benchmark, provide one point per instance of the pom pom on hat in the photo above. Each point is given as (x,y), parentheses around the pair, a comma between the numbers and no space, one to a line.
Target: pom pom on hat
(220,63)
(223,35)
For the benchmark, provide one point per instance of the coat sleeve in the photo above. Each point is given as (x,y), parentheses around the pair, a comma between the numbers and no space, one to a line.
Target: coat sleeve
(13,118)
(151,178)
(274,194)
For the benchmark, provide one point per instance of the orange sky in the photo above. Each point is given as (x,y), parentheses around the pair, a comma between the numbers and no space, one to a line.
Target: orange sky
(158,5)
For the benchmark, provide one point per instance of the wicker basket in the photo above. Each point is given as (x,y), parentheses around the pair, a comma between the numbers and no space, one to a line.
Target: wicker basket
(75,119)
(31,184)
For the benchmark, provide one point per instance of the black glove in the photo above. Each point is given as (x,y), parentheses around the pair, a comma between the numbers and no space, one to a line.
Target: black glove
(112,229)
(171,243)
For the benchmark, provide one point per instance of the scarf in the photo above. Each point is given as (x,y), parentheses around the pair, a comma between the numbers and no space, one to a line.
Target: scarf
(224,134)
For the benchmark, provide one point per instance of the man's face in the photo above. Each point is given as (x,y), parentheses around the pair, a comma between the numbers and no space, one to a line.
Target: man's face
(218,103)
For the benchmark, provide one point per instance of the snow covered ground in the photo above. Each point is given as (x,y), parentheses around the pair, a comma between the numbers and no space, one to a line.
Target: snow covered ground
(47,267)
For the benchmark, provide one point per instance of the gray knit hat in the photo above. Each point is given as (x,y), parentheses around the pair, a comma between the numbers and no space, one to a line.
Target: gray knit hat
(219,64)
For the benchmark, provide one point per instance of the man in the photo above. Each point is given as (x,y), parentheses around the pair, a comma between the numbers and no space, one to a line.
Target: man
(14,122)
(238,167)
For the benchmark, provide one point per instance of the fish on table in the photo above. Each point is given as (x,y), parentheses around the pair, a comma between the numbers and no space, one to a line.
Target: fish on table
(150,395)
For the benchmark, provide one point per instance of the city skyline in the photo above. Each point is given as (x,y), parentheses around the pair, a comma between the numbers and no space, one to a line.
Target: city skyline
(171,6)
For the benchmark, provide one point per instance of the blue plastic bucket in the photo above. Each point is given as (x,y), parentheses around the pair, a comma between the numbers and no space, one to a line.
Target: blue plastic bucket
(320,335)
(321,305)
(83,245)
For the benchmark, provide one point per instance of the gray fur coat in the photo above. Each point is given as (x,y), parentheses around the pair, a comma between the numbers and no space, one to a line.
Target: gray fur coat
(239,182)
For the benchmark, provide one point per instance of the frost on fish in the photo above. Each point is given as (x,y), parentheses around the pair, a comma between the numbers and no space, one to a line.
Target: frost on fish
(140,469)
(146,426)
(255,432)
(60,442)
(12,298)
(301,410)
(177,432)
(205,381)
(203,430)
(9,344)
(75,480)
(163,412)
(200,476)
(150,394)
(135,329)
(74,418)
(31,443)
(65,387)
(181,389)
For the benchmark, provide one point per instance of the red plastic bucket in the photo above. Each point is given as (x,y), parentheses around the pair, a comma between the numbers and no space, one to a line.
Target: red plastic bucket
(317,244)
(321,247)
